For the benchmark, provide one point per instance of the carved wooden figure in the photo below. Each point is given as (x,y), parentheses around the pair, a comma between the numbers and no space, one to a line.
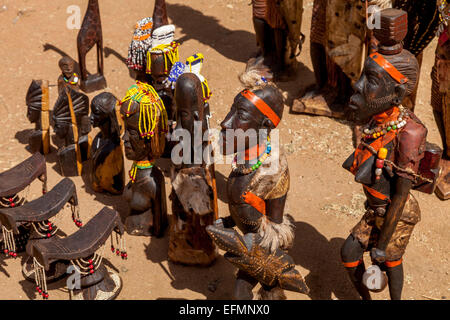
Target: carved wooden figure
(84,250)
(440,98)
(278,35)
(162,55)
(107,171)
(91,34)
(36,216)
(38,106)
(391,159)
(194,194)
(145,120)
(68,75)
(72,125)
(13,182)
(257,187)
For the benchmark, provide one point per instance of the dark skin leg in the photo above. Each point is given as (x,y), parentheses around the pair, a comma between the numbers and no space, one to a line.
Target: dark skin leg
(260,28)
(318,58)
(353,251)
(280,48)
(395,280)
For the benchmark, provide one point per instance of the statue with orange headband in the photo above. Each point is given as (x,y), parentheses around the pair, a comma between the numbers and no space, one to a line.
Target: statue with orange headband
(257,188)
(392,158)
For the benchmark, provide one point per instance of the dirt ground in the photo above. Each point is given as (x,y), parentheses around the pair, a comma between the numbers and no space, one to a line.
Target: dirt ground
(323,199)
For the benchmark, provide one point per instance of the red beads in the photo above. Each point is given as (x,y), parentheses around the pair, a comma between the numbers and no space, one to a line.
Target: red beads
(91,271)
(12,204)
(5,251)
(124,255)
(112,249)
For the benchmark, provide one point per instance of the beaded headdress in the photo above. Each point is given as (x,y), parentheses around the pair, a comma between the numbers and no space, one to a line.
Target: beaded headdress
(141,43)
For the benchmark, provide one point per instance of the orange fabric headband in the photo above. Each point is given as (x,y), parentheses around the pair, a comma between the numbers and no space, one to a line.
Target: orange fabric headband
(262,106)
(389,68)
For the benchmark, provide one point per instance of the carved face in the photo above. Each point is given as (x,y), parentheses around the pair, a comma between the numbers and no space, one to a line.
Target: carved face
(98,117)
(136,148)
(243,115)
(375,92)
(33,115)
(158,68)
(61,129)
(189,101)
(67,67)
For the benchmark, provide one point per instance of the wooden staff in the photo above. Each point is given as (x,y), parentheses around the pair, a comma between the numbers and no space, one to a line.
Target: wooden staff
(45,117)
(75,132)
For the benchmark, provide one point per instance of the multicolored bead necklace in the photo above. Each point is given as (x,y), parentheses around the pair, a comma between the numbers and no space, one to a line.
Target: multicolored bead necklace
(242,170)
(139,165)
(386,127)
(75,79)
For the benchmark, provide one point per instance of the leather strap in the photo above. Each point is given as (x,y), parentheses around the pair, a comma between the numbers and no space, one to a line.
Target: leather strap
(262,106)
(389,68)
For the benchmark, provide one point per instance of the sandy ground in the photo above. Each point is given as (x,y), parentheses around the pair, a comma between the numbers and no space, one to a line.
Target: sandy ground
(323,198)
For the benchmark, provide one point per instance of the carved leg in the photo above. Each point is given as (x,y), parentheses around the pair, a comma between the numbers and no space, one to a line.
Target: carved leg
(160,220)
(100,57)
(352,252)
(395,278)
(104,284)
(243,286)
(318,59)
(82,62)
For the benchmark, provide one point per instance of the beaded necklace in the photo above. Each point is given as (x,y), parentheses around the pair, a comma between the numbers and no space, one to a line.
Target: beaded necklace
(242,170)
(75,79)
(376,132)
(139,165)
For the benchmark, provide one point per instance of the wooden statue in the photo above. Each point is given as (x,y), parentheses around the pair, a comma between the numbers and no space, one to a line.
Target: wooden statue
(257,188)
(391,159)
(68,75)
(38,106)
(145,120)
(107,171)
(91,34)
(36,216)
(278,35)
(194,194)
(72,125)
(340,39)
(13,182)
(83,250)
(440,98)
(161,57)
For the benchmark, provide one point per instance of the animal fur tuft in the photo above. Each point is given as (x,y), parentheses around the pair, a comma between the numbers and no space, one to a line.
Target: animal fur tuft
(277,235)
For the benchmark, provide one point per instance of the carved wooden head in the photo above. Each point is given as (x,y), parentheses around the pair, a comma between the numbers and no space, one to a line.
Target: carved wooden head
(390,74)
(248,115)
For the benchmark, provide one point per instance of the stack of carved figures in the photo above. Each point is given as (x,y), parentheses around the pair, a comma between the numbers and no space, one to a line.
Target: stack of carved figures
(366,62)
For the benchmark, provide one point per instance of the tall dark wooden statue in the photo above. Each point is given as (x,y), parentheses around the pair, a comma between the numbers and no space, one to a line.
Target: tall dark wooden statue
(38,106)
(162,55)
(440,98)
(91,34)
(278,35)
(391,159)
(84,250)
(257,188)
(107,171)
(68,76)
(194,194)
(72,125)
(145,120)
